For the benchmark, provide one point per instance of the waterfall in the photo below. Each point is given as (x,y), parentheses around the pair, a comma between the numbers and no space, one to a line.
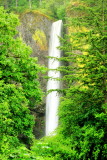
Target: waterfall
(52,100)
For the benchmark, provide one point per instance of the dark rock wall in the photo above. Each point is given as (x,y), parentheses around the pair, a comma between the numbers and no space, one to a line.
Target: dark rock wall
(35,31)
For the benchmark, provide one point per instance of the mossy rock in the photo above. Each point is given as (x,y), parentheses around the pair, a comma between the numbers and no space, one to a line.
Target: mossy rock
(40,39)
(35,31)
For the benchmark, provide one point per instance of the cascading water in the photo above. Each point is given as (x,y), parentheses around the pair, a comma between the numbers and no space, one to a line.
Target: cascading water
(52,100)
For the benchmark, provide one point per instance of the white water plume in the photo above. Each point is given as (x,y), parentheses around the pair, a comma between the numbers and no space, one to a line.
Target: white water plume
(52,100)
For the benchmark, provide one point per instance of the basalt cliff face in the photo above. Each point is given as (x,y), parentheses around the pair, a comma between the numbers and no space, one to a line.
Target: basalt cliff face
(35,31)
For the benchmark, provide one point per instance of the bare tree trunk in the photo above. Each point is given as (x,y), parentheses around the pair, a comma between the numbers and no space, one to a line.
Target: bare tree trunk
(30,4)
(104,52)
(5,4)
(40,2)
(16,3)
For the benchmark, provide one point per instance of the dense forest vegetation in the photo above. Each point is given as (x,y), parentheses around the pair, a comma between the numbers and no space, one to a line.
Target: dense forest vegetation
(53,8)
(82,130)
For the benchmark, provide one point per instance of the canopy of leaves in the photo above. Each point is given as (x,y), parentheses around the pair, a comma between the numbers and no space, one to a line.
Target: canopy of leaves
(83,115)
(19,86)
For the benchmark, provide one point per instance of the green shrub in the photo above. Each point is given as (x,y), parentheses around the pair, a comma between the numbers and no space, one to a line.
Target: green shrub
(19,87)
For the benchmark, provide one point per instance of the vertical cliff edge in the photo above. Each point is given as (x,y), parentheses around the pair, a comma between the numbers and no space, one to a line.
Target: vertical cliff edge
(35,31)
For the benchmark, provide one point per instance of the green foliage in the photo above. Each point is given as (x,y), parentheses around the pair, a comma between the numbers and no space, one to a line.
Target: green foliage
(19,87)
(19,5)
(83,116)
(82,113)
(11,148)
(55,9)
(40,38)
(52,148)
(83,122)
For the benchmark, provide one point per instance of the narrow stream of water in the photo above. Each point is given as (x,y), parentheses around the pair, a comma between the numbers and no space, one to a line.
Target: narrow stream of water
(52,100)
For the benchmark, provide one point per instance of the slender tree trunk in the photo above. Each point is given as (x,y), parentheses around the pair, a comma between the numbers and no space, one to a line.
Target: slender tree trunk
(30,4)
(16,3)
(5,4)
(40,2)
(103,16)
(104,52)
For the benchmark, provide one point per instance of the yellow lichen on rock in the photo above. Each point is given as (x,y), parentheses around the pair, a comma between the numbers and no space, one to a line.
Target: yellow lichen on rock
(40,38)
